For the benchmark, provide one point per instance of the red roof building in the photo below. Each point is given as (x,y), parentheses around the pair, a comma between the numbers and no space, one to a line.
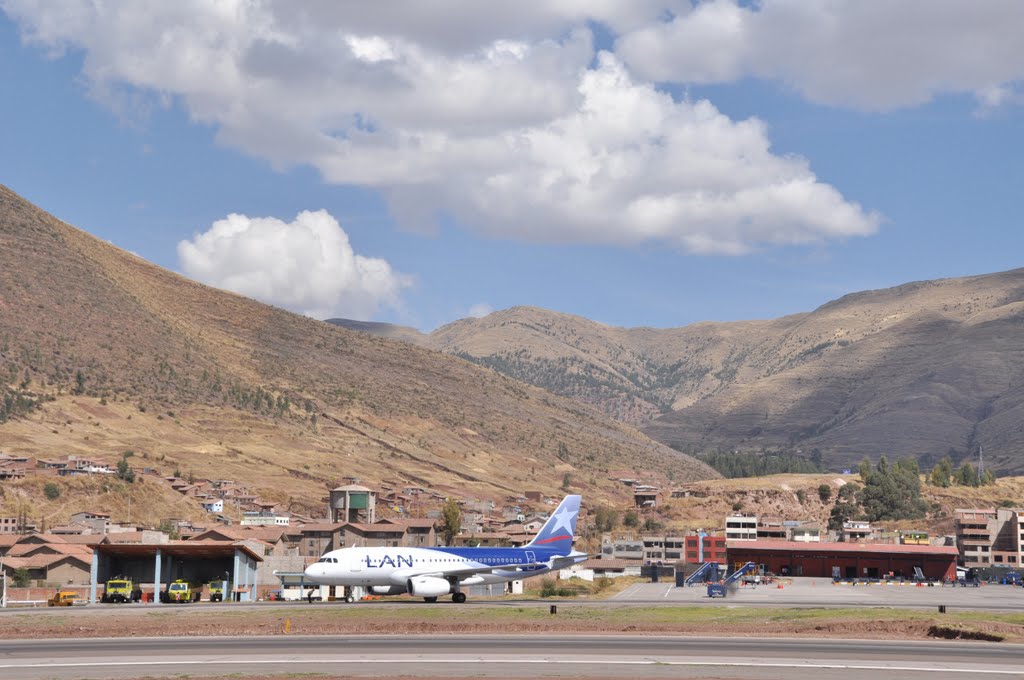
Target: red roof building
(846,560)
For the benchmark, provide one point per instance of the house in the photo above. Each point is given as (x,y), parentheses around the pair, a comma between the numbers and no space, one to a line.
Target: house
(771,529)
(856,530)
(99,521)
(602,568)
(49,559)
(15,525)
(741,528)
(646,496)
(481,539)
(213,504)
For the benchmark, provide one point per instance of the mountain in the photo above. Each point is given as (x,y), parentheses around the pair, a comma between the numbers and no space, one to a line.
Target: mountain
(384,330)
(922,370)
(102,352)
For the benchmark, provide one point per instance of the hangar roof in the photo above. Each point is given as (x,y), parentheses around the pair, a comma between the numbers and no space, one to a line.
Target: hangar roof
(189,549)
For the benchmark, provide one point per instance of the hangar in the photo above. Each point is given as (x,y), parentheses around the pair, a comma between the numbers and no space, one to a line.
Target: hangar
(161,563)
(846,560)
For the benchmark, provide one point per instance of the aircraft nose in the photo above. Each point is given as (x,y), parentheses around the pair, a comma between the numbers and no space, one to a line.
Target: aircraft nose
(313,570)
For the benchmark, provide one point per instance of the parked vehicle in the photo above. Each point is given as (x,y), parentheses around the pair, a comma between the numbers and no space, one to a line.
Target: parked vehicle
(182,591)
(121,590)
(216,591)
(62,598)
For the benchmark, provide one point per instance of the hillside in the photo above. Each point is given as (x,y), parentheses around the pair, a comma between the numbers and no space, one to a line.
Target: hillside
(103,352)
(922,370)
(795,497)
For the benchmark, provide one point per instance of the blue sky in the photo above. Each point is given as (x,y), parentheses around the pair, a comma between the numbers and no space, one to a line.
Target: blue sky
(896,171)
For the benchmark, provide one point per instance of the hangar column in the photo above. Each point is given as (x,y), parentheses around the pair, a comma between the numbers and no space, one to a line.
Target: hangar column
(234,575)
(156,577)
(94,572)
(248,581)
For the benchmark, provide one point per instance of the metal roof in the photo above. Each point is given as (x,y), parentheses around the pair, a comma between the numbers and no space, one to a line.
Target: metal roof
(202,550)
(814,546)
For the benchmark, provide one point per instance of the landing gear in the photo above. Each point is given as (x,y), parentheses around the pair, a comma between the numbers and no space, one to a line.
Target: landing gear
(350,599)
(430,599)
(458,598)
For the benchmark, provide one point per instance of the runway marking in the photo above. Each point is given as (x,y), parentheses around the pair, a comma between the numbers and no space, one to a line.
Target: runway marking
(668,591)
(566,662)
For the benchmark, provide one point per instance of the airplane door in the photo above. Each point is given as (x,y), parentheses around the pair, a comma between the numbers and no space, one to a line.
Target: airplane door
(530,557)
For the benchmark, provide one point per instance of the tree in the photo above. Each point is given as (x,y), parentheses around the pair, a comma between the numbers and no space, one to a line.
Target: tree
(966,475)
(892,492)
(630,519)
(651,524)
(864,469)
(801,496)
(824,493)
(451,516)
(566,481)
(21,577)
(124,472)
(942,473)
(51,491)
(841,512)
(605,519)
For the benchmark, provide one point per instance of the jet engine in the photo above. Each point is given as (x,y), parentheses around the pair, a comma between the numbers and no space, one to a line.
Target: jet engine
(387,590)
(428,586)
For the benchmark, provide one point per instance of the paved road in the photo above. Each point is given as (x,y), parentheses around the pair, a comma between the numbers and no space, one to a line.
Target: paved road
(509,657)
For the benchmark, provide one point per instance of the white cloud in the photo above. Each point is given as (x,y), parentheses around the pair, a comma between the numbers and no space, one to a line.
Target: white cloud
(501,116)
(480,310)
(866,55)
(306,265)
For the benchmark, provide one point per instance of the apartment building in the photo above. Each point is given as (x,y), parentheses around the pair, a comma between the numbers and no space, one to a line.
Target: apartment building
(741,528)
(989,537)
(974,536)
(702,548)
(662,549)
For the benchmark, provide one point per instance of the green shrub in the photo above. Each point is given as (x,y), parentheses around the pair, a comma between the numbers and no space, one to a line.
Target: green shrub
(51,491)
(21,577)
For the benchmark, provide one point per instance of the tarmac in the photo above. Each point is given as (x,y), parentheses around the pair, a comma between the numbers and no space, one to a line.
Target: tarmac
(823,592)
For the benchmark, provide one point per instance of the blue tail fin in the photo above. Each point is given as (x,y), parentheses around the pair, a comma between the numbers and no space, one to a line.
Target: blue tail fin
(558,531)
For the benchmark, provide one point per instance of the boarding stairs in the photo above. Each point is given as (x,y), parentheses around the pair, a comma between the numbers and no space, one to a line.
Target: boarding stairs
(705,570)
(719,589)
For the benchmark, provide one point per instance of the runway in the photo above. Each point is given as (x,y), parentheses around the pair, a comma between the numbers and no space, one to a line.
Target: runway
(508,656)
(811,592)
(803,592)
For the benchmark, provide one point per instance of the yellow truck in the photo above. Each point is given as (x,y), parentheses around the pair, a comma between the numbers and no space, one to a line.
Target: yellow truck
(182,591)
(121,590)
(216,591)
(62,598)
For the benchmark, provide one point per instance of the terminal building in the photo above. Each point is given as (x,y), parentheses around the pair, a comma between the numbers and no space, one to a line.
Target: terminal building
(846,560)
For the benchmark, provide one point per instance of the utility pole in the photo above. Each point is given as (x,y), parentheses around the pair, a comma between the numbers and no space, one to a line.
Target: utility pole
(981,461)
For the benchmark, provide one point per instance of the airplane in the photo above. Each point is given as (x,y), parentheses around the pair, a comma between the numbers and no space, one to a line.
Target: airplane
(431,573)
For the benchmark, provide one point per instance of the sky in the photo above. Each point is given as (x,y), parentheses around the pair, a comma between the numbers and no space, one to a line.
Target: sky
(642,163)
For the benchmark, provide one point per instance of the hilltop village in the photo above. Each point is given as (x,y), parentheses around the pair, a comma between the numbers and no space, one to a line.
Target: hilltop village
(275,542)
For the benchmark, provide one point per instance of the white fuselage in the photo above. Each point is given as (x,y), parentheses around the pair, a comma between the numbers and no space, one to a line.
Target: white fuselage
(394,566)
